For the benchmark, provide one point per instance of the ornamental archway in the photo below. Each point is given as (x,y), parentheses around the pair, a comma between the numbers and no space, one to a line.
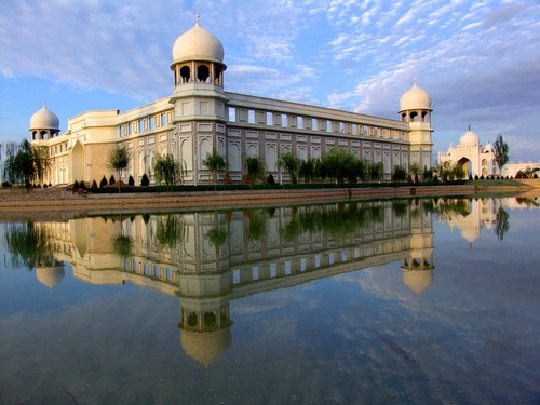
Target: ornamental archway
(77,162)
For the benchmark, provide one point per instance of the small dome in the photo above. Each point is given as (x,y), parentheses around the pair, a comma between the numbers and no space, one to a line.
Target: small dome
(470,235)
(488,147)
(44,119)
(415,99)
(51,276)
(469,138)
(418,280)
(206,347)
(198,43)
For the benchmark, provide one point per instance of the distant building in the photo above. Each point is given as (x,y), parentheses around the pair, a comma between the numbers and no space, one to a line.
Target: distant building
(200,116)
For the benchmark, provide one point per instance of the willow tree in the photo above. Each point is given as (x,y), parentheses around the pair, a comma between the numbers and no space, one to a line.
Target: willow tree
(216,163)
(26,164)
(118,160)
(168,170)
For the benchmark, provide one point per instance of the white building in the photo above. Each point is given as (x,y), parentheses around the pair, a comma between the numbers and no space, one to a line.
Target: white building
(200,116)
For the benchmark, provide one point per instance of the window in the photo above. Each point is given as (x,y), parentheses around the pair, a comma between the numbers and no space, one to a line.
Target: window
(328,126)
(151,123)
(130,128)
(121,129)
(354,128)
(185,74)
(169,274)
(60,148)
(251,117)
(313,124)
(299,122)
(268,118)
(163,119)
(232,114)
(283,120)
(255,273)
(141,126)
(55,149)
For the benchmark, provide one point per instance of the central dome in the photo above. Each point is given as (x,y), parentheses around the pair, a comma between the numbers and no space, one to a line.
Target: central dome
(469,138)
(415,98)
(198,43)
(44,119)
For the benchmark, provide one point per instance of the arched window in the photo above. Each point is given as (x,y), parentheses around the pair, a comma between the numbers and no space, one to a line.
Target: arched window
(413,116)
(404,117)
(34,135)
(185,74)
(43,135)
(484,162)
(218,76)
(425,116)
(202,73)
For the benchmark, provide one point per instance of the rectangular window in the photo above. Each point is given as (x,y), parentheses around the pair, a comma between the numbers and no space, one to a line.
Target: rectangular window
(283,120)
(55,150)
(146,269)
(163,120)
(141,126)
(303,264)
(130,128)
(268,118)
(156,271)
(255,273)
(331,259)
(328,126)
(272,271)
(232,114)
(134,265)
(288,268)
(299,122)
(151,123)
(313,124)
(317,261)
(354,128)
(121,129)
(60,148)
(236,276)
(125,263)
(341,127)
(169,274)
(251,117)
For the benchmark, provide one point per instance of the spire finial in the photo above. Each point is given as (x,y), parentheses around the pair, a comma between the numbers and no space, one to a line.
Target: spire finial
(43,102)
(415,80)
(198,16)
(469,127)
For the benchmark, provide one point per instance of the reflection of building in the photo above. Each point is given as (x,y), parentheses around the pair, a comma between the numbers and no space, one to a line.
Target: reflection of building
(51,275)
(470,216)
(200,115)
(263,250)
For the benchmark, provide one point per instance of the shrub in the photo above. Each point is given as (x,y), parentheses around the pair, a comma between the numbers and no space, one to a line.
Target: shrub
(435,178)
(45,186)
(535,176)
(82,186)
(145,181)
(476,177)
(103,182)
(409,179)
(76,185)
(94,184)
(131,180)
(470,177)
(270,179)
(415,179)
(111,180)
(50,184)
(482,177)
(227,181)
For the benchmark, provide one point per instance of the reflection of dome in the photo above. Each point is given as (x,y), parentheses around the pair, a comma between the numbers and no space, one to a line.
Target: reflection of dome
(206,347)
(418,280)
(44,119)
(469,138)
(198,43)
(415,99)
(470,235)
(50,276)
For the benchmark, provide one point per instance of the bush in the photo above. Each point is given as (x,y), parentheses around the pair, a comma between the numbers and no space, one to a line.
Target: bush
(45,186)
(6,184)
(103,182)
(482,177)
(470,177)
(111,180)
(435,178)
(131,180)
(415,179)
(535,176)
(476,177)
(409,179)
(94,184)
(270,179)
(145,181)
(82,186)
(227,181)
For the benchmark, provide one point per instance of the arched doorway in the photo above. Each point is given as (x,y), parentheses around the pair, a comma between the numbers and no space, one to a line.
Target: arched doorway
(77,162)
(465,164)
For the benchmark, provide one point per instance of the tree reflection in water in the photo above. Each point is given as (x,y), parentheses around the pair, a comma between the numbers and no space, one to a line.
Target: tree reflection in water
(170,231)
(503,223)
(29,245)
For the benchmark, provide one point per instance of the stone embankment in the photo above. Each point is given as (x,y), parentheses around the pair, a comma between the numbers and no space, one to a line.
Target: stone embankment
(61,199)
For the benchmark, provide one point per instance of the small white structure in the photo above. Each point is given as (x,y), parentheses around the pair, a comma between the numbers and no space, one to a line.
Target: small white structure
(475,159)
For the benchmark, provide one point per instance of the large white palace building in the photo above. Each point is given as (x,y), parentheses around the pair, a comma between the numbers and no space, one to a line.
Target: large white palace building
(200,116)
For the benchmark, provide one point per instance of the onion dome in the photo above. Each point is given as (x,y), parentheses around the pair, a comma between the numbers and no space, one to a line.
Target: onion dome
(469,138)
(51,276)
(206,347)
(418,280)
(198,44)
(415,99)
(488,147)
(470,235)
(44,119)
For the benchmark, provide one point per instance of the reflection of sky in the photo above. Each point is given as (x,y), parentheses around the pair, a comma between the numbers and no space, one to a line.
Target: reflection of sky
(473,333)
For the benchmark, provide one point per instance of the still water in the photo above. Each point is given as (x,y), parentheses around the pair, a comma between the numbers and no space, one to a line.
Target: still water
(431,301)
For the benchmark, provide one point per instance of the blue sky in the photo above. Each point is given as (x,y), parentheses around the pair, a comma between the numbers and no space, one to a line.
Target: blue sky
(479,60)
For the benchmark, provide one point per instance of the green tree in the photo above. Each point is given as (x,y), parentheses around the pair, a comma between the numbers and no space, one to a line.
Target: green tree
(216,163)
(167,170)
(415,168)
(399,174)
(307,170)
(29,244)
(26,164)
(501,150)
(321,170)
(118,160)
(375,171)
(254,169)
(290,164)
(458,172)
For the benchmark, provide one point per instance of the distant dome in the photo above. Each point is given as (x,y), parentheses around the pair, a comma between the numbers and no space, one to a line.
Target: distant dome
(469,138)
(418,280)
(415,98)
(206,347)
(488,147)
(44,119)
(51,276)
(198,43)
(470,235)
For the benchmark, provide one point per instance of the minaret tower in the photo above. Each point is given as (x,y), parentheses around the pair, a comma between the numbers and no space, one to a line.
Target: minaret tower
(43,126)
(416,110)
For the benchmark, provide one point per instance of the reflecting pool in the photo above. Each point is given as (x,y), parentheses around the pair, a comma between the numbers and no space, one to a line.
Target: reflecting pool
(427,301)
